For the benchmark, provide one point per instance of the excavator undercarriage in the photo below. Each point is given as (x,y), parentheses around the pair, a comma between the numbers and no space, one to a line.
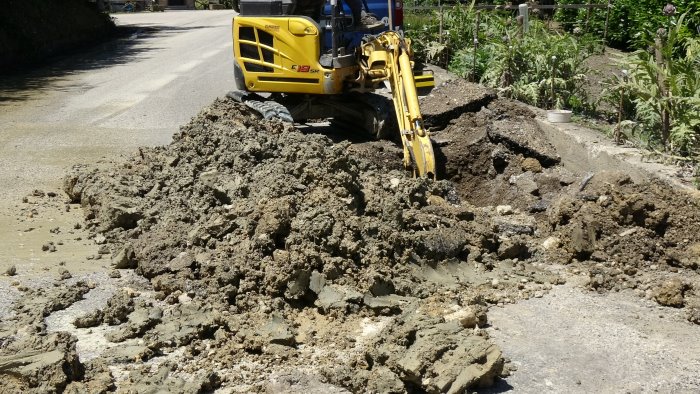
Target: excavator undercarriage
(284,69)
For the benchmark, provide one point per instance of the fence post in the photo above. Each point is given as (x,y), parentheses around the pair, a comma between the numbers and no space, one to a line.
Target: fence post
(440,28)
(553,95)
(476,44)
(523,11)
(663,89)
(588,15)
(519,20)
(620,109)
(605,29)
(440,36)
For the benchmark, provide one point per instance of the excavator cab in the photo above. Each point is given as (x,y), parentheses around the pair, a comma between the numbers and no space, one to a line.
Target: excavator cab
(304,59)
(314,49)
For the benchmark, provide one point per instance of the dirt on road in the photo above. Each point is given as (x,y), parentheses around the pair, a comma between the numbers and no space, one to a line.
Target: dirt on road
(249,256)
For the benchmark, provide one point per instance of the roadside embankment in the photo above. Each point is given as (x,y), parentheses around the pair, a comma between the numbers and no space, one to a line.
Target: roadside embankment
(33,30)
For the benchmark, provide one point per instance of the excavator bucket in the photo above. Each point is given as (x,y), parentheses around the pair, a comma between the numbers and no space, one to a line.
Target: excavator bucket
(387,58)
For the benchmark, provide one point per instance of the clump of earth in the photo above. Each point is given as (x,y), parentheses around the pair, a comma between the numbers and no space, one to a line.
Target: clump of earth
(281,261)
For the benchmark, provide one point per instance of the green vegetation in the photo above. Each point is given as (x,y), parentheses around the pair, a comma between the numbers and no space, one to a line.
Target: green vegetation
(540,67)
(664,90)
(633,23)
(204,4)
(657,98)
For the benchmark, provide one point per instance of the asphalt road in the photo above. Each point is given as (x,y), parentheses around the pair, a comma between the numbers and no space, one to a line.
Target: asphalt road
(101,103)
(123,94)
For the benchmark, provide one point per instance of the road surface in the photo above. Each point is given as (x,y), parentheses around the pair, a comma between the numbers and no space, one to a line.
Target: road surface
(103,103)
(123,94)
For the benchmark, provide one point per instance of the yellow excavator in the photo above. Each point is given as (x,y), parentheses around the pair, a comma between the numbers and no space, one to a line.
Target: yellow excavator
(305,59)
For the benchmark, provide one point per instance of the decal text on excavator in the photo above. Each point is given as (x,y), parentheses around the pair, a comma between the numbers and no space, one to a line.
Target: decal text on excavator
(304,69)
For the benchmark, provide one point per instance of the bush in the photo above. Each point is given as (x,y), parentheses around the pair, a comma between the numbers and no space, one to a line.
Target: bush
(541,68)
(633,23)
(664,89)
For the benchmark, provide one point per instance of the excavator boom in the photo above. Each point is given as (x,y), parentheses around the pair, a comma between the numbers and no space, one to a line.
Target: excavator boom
(285,56)
(387,57)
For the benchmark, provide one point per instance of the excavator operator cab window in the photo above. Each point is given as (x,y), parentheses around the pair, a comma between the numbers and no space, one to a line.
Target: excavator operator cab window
(310,8)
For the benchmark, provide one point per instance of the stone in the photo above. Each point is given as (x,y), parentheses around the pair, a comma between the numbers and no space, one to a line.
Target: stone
(337,297)
(91,319)
(539,206)
(466,317)
(180,262)
(128,354)
(391,302)
(64,274)
(277,331)
(525,182)
(125,258)
(139,321)
(583,239)
(531,164)
(551,243)
(670,293)
(316,282)
(11,270)
(504,209)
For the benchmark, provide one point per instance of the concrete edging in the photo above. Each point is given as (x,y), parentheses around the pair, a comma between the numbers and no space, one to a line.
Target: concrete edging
(586,150)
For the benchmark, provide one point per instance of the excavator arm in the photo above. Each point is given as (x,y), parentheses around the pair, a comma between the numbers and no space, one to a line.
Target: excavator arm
(387,57)
(284,55)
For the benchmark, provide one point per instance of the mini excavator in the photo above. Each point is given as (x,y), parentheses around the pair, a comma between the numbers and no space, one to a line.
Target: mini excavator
(300,60)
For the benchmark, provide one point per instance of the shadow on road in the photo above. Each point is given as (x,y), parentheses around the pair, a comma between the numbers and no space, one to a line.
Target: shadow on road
(130,44)
(499,386)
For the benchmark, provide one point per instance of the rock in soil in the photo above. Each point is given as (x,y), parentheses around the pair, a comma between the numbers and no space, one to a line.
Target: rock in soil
(670,293)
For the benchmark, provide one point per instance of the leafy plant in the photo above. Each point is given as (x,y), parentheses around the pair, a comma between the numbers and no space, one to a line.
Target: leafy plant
(542,68)
(665,92)
(632,23)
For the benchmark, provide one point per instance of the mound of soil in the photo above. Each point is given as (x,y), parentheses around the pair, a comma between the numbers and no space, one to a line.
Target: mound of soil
(281,261)
(254,235)
(621,234)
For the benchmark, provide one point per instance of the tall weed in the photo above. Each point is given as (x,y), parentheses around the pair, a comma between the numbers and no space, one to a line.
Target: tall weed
(672,87)
(632,23)
(542,68)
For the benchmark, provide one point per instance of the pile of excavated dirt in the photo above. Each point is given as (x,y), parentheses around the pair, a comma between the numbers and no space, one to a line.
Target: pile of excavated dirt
(280,261)
(621,234)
